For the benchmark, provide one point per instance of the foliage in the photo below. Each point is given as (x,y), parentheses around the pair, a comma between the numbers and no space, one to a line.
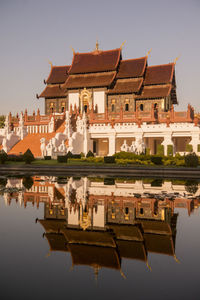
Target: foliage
(28,182)
(198,147)
(28,156)
(62,158)
(82,154)
(2,120)
(147,151)
(109,181)
(189,148)
(12,157)
(191,186)
(157,160)
(3,157)
(3,181)
(169,150)
(90,154)
(160,150)
(109,159)
(69,154)
(191,160)
(47,157)
(157,182)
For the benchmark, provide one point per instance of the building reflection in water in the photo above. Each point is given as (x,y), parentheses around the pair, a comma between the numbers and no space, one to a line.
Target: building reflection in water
(100,221)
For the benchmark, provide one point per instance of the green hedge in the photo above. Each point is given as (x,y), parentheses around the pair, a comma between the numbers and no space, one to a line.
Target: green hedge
(169,150)
(62,158)
(109,159)
(191,160)
(3,157)
(160,150)
(198,147)
(47,157)
(157,160)
(189,148)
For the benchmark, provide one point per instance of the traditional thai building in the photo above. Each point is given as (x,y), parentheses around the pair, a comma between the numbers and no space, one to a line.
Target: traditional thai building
(105,104)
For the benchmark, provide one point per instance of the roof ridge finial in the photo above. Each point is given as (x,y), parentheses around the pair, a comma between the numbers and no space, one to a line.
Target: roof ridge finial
(97,45)
(177,58)
(149,52)
(50,63)
(122,45)
(72,49)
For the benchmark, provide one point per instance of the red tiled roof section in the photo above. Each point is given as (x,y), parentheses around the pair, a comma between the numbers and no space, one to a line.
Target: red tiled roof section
(58,74)
(90,80)
(155,91)
(96,61)
(159,74)
(53,92)
(132,68)
(126,86)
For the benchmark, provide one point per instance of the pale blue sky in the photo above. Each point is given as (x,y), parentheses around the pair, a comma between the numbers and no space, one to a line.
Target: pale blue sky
(32,32)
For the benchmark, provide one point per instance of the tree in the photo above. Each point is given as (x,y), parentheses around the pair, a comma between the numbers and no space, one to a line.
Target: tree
(3,156)
(28,182)
(28,156)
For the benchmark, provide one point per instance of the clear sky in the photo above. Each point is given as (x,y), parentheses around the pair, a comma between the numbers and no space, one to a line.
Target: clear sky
(33,32)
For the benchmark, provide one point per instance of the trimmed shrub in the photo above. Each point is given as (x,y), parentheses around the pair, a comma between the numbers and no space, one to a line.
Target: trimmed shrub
(157,182)
(90,154)
(3,181)
(27,182)
(191,186)
(109,159)
(76,156)
(109,181)
(157,160)
(198,147)
(189,148)
(169,150)
(160,150)
(82,154)
(191,160)
(47,157)
(62,158)
(69,154)
(3,157)
(28,157)
(147,151)
(12,157)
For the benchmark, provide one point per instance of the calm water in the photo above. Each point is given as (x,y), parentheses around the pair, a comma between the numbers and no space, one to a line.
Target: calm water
(99,238)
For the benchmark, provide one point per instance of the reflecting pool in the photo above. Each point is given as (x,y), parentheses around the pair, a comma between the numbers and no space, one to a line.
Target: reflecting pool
(99,238)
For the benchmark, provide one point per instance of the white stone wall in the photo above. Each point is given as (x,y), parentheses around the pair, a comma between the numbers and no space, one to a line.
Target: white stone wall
(99,99)
(73,99)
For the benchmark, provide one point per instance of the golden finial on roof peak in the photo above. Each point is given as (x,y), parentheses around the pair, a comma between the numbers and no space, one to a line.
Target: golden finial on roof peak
(72,49)
(176,59)
(50,63)
(149,52)
(97,45)
(122,45)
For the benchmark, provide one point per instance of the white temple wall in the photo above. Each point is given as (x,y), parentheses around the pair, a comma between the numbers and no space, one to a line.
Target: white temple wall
(73,99)
(99,100)
(99,216)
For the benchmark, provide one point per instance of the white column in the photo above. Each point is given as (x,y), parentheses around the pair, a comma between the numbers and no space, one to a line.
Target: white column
(111,144)
(167,141)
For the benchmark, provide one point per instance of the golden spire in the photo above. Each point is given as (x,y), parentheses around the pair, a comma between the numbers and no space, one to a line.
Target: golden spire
(148,266)
(176,59)
(122,45)
(176,259)
(149,52)
(72,49)
(97,46)
(122,274)
(50,63)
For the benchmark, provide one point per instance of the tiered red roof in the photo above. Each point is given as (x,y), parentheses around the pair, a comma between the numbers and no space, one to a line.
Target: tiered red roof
(90,80)
(159,74)
(132,68)
(54,91)
(58,74)
(156,91)
(126,86)
(96,61)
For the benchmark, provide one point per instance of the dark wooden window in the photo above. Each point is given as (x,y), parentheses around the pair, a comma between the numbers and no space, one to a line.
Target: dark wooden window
(126,107)
(113,107)
(141,107)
